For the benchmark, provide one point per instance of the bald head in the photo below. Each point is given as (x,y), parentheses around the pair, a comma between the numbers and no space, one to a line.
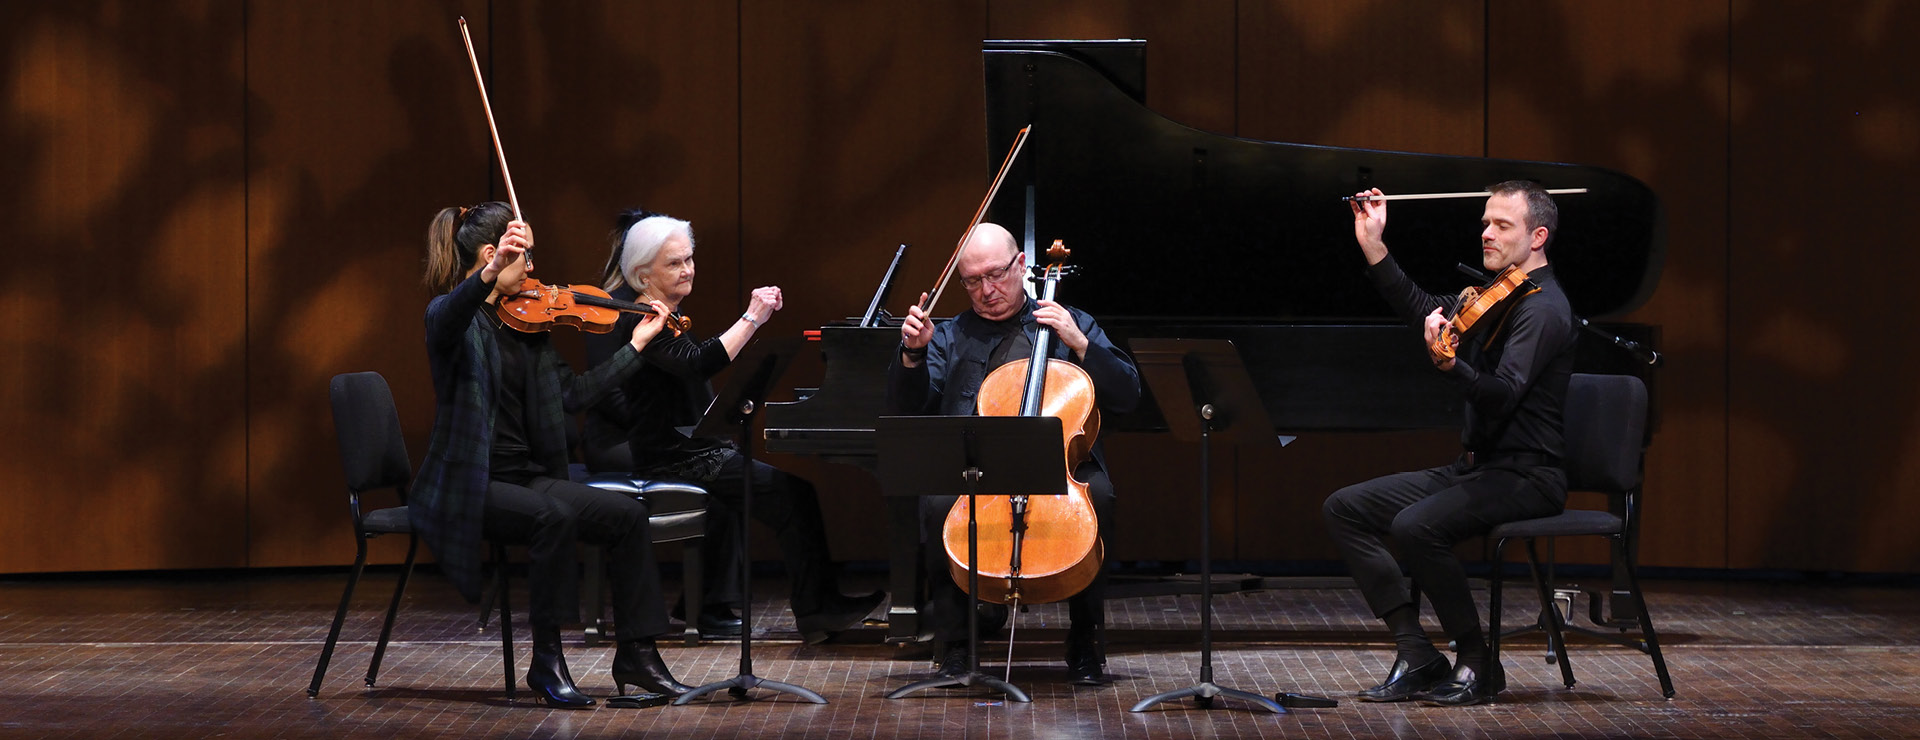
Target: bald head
(990,241)
(991,268)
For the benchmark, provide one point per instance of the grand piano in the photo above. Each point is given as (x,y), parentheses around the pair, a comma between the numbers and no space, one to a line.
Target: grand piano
(1261,226)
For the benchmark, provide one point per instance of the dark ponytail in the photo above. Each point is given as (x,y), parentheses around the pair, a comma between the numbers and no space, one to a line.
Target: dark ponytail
(454,238)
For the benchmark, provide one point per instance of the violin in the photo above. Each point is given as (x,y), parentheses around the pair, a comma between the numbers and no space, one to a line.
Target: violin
(539,307)
(1038,549)
(1477,304)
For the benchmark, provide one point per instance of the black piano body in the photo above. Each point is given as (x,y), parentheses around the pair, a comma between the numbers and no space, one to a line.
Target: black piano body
(1260,230)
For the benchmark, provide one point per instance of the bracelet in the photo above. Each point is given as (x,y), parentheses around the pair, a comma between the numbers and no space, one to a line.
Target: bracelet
(747,317)
(914,353)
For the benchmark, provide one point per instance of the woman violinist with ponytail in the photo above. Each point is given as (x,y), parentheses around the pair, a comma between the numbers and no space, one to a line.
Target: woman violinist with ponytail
(496,465)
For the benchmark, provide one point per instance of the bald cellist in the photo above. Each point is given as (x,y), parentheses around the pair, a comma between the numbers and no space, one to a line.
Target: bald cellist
(939,370)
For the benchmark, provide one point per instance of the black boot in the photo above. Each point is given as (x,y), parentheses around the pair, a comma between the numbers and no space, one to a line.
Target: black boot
(548,675)
(637,662)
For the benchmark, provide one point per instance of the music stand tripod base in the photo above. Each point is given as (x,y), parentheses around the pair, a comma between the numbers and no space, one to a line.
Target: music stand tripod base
(1203,694)
(733,410)
(1204,390)
(1017,450)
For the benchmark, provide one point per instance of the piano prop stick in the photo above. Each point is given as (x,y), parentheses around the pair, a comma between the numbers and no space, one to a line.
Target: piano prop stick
(933,296)
(1438,196)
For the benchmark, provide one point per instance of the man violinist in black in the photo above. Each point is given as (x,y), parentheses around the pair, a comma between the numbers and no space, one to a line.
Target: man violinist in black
(939,370)
(1513,370)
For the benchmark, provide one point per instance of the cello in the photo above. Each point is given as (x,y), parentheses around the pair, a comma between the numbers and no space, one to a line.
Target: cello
(1036,549)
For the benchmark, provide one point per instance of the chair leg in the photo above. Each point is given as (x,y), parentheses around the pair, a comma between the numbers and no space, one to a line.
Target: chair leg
(393,608)
(506,616)
(692,570)
(1646,630)
(339,616)
(487,595)
(593,588)
(1493,609)
(1556,640)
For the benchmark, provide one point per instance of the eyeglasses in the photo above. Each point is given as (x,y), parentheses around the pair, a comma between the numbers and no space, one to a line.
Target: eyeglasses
(994,276)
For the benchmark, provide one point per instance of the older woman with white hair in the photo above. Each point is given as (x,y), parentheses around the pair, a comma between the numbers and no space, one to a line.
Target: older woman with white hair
(651,414)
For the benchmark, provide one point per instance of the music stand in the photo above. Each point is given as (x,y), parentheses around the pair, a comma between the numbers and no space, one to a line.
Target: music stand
(953,456)
(1204,392)
(732,412)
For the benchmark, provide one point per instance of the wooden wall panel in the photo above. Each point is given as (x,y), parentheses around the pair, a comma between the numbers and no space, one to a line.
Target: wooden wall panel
(363,121)
(1378,75)
(269,166)
(608,106)
(861,129)
(1641,87)
(123,376)
(1824,416)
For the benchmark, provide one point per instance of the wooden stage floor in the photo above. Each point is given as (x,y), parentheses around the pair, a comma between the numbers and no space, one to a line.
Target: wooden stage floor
(230,655)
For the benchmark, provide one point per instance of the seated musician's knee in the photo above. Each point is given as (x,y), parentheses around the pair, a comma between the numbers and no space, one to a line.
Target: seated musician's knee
(1342,507)
(1413,531)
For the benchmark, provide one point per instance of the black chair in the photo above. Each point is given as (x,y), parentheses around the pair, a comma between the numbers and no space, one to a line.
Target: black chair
(373,454)
(1606,438)
(677,512)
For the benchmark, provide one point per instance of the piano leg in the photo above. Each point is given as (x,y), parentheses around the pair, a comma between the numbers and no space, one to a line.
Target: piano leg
(903,547)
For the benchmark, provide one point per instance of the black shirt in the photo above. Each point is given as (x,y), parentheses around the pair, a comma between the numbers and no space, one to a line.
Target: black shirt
(656,408)
(1514,373)
(512,459)
(962,354)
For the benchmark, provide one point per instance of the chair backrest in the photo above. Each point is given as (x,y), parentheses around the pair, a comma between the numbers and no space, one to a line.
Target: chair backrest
(1606,424)
(373,454)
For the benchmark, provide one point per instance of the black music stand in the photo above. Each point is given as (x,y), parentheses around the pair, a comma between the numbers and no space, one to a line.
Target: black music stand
(1203,391)
(732,412)
(953,456)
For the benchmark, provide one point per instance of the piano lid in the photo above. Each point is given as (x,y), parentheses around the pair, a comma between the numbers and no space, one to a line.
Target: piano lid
(1259,226)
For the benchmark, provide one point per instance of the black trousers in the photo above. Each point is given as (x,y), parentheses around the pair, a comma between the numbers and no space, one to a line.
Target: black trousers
(1427,512)
(549,515)
(786,503)
(947,603)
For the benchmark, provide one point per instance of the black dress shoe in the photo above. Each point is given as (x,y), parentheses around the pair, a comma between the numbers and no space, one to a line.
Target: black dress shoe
(637,662)
(1466,687)
(957,661)
(716,621)
(1086,658)
(840,613)
(1405,681)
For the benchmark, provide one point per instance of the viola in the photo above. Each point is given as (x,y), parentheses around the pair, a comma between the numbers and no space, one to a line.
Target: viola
(1038,549)
(539,307)
(1480,303)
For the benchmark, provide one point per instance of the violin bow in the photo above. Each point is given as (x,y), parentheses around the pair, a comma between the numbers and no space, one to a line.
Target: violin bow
(1435,196)
(481,82)
(933,298)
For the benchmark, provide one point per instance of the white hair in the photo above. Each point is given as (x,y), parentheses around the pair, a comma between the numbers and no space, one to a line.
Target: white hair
(643,241)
